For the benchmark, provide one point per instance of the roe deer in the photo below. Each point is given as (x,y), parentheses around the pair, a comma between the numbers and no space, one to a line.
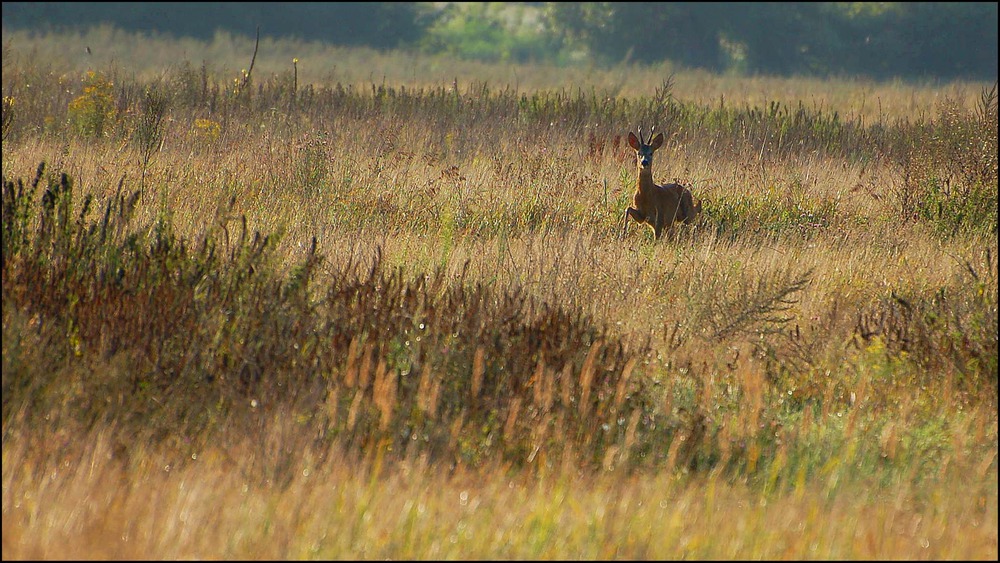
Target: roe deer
(657,206)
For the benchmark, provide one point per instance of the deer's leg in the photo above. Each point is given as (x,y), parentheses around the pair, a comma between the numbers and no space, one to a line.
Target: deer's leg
(634,214)
(668,227)
(657,224)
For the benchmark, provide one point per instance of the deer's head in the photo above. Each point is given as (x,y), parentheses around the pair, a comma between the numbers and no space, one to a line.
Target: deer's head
(644,149)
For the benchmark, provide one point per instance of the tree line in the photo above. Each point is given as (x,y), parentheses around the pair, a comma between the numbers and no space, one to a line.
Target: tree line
(946,40)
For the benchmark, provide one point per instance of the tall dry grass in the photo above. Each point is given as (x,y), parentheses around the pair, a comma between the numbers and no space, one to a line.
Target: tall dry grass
(151,56)
(394,319)
(83,501)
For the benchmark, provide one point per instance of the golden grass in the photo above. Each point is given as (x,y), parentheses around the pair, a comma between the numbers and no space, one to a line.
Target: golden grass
(146,56)
(81,501)
(820,444)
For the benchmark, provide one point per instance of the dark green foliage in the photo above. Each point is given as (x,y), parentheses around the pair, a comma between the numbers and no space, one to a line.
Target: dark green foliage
(878,39)
(380,25)
(911,39)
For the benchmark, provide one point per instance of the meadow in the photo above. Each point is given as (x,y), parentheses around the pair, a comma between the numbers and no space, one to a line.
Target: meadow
(342,304)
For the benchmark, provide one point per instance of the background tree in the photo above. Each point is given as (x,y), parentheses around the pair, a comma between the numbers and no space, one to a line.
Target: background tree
(876,39)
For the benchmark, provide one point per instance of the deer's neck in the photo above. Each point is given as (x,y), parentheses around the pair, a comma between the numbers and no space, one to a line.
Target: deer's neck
(645,182)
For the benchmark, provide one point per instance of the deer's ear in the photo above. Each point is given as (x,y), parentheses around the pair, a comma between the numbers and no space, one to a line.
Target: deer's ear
(633,141)
(657,141)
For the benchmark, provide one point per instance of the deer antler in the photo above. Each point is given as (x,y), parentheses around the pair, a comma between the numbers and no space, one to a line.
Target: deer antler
(643,139)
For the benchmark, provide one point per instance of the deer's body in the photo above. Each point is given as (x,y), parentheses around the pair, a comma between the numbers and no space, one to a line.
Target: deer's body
(657,206)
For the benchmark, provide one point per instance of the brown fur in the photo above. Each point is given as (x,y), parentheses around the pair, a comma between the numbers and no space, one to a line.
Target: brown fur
(657,206)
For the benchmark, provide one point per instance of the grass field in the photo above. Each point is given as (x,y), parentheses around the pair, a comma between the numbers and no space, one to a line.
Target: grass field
(372,305)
